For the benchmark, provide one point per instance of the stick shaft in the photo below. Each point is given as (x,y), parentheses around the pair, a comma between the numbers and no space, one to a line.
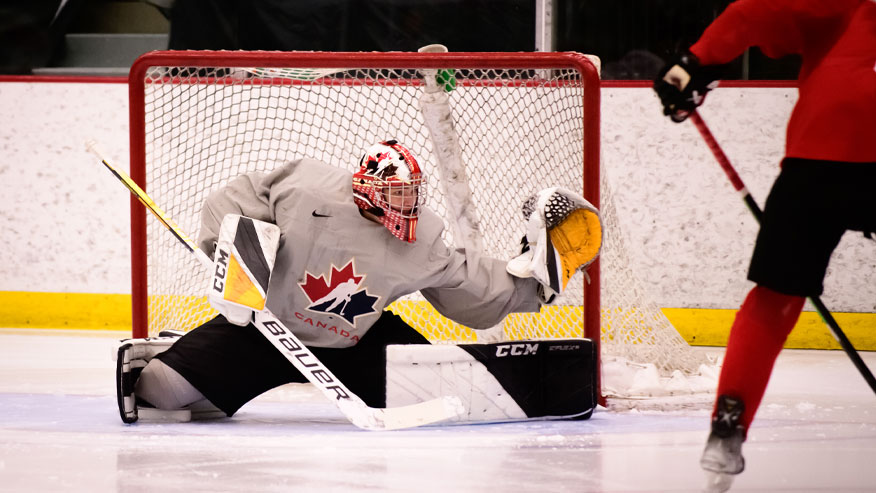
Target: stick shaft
(728,168)
(151,206)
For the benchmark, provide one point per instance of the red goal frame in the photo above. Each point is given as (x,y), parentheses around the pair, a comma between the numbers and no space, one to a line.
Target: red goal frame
(591,125)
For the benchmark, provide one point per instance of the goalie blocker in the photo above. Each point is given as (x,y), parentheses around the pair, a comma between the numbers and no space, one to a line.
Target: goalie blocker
(244,259)
(508,381)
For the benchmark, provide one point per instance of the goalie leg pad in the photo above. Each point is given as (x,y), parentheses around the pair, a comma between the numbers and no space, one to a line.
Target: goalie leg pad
(164,388)
(564,235)
(511,381)
(132,355)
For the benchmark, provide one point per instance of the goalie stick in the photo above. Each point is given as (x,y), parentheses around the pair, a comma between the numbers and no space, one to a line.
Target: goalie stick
(438,116)
(822,310)
(355,410)
(435,107)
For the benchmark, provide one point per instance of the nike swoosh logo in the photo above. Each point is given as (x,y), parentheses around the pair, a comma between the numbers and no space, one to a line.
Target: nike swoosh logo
(317,214)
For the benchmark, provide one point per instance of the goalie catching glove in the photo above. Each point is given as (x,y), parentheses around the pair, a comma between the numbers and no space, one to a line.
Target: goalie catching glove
(242,265)
(563,235)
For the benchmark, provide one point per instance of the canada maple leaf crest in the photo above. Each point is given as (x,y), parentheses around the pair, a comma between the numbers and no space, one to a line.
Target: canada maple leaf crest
(339,293)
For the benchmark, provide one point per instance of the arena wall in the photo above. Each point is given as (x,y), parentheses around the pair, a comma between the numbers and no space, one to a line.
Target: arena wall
(66,255)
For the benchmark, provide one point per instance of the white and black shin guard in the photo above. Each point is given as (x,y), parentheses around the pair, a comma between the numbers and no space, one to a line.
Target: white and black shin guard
(509,381)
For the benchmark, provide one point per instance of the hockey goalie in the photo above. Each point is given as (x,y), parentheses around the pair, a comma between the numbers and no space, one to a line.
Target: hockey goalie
(326,251)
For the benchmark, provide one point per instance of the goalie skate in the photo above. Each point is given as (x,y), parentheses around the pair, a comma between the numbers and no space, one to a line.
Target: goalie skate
(564,235)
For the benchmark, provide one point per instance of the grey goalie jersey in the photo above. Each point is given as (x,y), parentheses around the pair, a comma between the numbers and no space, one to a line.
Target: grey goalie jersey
(336,271)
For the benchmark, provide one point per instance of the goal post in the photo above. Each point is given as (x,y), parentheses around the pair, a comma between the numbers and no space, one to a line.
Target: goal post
(524,122)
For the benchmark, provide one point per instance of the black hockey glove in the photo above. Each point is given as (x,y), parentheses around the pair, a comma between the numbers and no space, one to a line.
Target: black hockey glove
(682,85)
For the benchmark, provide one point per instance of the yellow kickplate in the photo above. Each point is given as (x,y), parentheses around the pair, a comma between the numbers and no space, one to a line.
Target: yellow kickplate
(25,309)
(711,327)
(698,326)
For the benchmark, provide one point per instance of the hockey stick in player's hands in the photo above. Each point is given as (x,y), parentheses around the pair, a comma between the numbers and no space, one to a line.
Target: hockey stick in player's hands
(756,211)
(359,413)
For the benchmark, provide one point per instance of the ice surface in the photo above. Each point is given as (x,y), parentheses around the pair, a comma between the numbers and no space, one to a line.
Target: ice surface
(60,431)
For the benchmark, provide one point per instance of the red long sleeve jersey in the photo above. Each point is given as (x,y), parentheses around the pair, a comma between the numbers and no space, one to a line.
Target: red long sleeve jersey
(835,115)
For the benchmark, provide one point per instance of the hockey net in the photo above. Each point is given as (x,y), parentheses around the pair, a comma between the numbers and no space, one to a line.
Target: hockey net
(524,122)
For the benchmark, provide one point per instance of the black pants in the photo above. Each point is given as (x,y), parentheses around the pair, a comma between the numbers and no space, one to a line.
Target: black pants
(231,365)
(811,205)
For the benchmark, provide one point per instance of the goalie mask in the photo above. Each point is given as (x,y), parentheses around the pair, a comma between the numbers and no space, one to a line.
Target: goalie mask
(389,185)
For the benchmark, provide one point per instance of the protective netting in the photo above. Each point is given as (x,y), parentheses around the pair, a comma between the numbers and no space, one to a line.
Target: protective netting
(519,130)
(634,329)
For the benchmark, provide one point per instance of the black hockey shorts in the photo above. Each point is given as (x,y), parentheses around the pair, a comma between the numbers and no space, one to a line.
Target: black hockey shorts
(231,365)
(811,205)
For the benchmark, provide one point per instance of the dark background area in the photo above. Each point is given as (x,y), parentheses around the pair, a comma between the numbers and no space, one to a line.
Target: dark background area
(633,38)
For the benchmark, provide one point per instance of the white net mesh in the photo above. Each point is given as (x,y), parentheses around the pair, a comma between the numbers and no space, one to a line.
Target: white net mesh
(642,354)
(520,130)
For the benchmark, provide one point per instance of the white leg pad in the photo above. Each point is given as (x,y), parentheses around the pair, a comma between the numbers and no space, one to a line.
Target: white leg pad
(134,360)
(131,356)
(508,381)
(417,373)
(164,388)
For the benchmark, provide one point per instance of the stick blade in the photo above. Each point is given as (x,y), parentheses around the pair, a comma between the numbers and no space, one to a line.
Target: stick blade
(398,418)
(92,147)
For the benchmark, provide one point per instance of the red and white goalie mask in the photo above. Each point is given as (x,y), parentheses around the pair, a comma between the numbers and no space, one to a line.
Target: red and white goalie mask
(389,185)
